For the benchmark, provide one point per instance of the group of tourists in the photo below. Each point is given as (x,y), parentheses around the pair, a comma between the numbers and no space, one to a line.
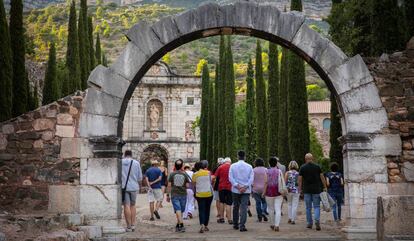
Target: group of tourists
(231,185)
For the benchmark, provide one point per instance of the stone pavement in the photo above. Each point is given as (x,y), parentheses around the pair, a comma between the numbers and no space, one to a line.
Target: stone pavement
(163,229)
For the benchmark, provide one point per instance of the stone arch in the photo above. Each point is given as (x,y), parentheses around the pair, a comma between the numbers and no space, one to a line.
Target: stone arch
(364,119)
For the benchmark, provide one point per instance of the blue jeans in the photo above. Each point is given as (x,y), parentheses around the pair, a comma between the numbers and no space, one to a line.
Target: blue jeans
(240,203)
(261,205)
(337,206)
(178,203)
(315,201)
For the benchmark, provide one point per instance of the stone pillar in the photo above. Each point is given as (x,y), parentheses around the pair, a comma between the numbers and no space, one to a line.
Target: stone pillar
(366,178)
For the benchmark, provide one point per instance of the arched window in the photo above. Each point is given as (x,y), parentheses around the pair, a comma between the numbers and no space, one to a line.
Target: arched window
(326,124)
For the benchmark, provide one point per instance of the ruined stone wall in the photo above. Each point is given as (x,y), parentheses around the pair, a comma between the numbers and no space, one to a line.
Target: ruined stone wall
(33,153)
(394,77)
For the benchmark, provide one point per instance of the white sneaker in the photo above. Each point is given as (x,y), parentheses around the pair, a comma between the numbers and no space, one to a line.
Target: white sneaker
(133,228)
(128,230)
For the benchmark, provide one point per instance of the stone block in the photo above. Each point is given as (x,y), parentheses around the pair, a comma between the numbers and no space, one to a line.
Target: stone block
(363,98)
(351,74)
(370,121)
(166,30)
(91,125)
(386,144)
(289,24)
(249,11)
(38,144)
(108,81)
(112,230)
(3,142)
(64,119)
(310,42)
(48,135)
(100,201)
(331,58)
(73,219)
(129,61)
(92,231)
(65,131)
(75,148)
(408,171)
(395,216)
(63,199)
(2,237)
(186,22)
(268,18)
(100,171)
(101,103)
(7,129)
(143,36)
(43,124)
(363,166)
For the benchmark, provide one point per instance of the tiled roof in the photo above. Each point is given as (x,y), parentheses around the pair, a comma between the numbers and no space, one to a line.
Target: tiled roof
(319,107)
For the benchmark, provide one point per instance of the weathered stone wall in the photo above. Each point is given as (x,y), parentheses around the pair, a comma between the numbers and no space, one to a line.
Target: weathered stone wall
(394,77)
(33,153)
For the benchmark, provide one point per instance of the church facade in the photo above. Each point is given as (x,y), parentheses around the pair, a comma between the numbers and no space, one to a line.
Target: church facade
(159,121)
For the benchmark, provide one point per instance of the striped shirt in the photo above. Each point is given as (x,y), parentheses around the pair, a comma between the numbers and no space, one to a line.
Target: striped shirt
(202,180)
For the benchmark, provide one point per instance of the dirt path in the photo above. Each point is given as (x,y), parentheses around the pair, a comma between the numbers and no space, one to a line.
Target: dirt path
(163,229)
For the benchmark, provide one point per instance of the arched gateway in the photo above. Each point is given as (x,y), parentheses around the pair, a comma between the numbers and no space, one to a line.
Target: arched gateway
(364,119)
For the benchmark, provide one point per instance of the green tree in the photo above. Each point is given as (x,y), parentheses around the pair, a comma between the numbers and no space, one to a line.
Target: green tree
(98,56)
(221,145)
(250,115)
(210,125)
(83,42)
(229,106)
(335,131)
(217,113)
(6,68)
(283,136)
(205,87)
(73,80)
(261,106)
(388,27)
(408,8)
(104,60)
(91,49)
(297,104)
(31,104)
(316,147)
(35,98)
(20,91)
(50,88)
(273,98)
(316,93)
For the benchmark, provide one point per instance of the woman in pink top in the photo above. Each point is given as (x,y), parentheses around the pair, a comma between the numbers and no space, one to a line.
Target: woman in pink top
(273,198)
(260,177)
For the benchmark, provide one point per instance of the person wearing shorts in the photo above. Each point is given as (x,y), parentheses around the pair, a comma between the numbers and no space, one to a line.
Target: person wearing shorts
(131,176)
(177,185)
(224,188)
(153,178)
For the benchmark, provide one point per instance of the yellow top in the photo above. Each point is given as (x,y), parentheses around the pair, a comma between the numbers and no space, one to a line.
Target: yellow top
(202,181)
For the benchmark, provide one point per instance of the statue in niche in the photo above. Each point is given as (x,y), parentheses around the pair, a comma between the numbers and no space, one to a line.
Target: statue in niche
(190,152)
(154,115)
(189,133)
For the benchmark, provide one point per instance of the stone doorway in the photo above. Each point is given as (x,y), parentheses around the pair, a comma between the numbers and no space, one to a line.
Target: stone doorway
(153,152)
(367,141)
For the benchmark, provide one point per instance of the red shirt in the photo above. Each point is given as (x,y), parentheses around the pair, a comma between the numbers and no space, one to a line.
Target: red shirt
(223,174)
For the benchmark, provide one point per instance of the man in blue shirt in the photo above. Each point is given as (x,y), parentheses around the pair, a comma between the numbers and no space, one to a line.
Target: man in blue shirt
(131,175)
(241,178)
(153,178)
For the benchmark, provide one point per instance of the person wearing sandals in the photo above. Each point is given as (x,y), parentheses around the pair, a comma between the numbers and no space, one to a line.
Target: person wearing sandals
(131,176)
(291,179)
(177,186)
(204,194)
(260,176)
(274,198)
(241,177)
(224,188)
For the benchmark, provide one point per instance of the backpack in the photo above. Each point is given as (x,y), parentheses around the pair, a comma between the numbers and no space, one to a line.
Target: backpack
(334,180)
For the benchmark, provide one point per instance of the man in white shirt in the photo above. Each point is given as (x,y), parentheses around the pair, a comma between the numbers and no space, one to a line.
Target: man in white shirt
(241,178)
(131,175)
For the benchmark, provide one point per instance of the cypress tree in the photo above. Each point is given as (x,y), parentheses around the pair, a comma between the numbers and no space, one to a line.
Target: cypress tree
(261,106)
(221,96)
(273,98)
(217,113)
(31,105)
(36,97)
(283,147)
(297,104)
(20,91)
(73,80)
(250,115)
(83,43)
(388,27)
(210,126)
(408,8)
(6,68)
(104,60)
(205,87)
(98,56)
(91,49)
(230,102)
(50,88)
(335,151)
